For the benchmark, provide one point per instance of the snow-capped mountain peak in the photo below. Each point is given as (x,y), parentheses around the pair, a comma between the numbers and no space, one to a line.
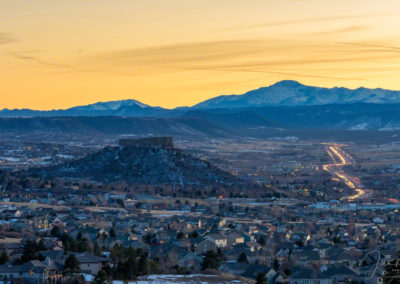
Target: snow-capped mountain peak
(111,105)
(293,93)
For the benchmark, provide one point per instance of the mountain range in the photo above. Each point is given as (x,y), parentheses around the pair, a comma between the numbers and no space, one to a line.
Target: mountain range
(292,93)
(287,108)
(284,93)
(129,108)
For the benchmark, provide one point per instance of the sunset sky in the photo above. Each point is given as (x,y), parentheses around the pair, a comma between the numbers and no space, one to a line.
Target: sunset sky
(63,53)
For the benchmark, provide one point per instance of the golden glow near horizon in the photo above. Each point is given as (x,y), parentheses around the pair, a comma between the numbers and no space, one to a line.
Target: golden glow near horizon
(58,54)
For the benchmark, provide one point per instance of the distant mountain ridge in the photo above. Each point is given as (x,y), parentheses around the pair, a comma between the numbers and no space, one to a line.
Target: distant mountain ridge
(267,121)
(111,105)
(112,125)
(112,108)
(283,93)
(292,93)
(264,112)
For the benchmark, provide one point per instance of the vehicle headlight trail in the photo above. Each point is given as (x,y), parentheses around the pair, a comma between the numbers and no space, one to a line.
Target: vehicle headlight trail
(338,154)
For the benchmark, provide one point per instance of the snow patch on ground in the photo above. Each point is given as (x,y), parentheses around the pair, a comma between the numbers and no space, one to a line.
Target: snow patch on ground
(360,126)
(179,279)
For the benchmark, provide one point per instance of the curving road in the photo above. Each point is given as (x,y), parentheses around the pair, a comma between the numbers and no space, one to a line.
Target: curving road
(340,158)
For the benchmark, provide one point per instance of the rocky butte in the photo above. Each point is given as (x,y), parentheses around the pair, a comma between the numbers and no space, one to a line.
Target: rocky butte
(162,142)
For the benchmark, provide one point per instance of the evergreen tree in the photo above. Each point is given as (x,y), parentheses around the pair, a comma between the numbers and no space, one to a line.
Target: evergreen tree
(276,265)
(211,260)
(242,258)
(261,240)
(143,266)
(101,277)
(112,233)
(41,245)
(194,235)
(4,257)
(129,269)
(261,278)
(29,251)
(83,245)
(96,249)
(55,232)
(71,265)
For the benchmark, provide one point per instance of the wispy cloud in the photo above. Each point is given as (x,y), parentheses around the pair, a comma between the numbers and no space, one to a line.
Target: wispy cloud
(6,38)
(305,21)
(290,58)
(36,59)
(348,29)
(393,48)
(288,74)
(185,52)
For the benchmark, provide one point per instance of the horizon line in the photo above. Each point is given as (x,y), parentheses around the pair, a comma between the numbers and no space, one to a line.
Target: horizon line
(189,106)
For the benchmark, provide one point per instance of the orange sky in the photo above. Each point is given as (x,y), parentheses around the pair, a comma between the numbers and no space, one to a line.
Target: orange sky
(58,54)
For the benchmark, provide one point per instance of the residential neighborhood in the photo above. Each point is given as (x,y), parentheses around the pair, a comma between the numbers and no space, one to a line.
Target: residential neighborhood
(288,244)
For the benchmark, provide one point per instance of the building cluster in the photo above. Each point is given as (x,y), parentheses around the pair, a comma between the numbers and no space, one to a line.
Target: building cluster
(289,241)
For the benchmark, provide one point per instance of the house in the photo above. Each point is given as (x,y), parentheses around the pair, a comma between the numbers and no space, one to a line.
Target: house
(139,245)
(219,240)
(254,246)
(51,244)
(234,268)
(234,239)
(90,263)
(339,273)
(307,257)
(205,246)
(174,253)
(337,255)
(11,213)
(253,270)
(282,255)
(281,278)
(35,271)
(12,247)
(233,253)
(309,276)
(166,236)
(190,260)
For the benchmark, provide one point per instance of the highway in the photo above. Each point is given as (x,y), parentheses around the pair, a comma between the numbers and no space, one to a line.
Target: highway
(340,158)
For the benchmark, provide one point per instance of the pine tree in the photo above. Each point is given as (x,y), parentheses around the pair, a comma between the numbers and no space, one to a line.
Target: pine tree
(112,233)
(261,240)
(55,232)
(261,278)
(71,265)
(242,258)
(4,257)
(101,277)
(143,265)
(276,264)
(211,260)
(41,245)
(96,249)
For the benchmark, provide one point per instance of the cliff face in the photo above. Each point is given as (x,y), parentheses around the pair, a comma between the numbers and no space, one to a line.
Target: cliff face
(142,164)
(163,142)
